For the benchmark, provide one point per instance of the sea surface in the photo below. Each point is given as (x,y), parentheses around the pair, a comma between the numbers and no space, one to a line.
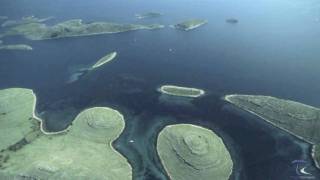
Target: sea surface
(273,50)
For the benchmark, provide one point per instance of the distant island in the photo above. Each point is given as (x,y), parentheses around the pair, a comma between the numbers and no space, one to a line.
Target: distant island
(83,151)
(3,18)
(190,152)
(15,47)
(300,120)
(76,75)
(181,91)
(72,28)
(190,24)
(232,21)
(24,20)
(148,15)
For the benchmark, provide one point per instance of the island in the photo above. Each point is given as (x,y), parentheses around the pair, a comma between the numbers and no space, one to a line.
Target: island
(190,24)
(232,21)
(3,18)
(24,20)
(81,72)
(82,151)
(300,120)
(148,15)
(107,58)
(189,152)
(15,47)
(73,28)
(181,91)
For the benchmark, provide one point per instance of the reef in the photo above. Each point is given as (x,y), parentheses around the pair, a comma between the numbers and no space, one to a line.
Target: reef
(193,152)
(83,151)
(73,28)
(181,91)
(148,15)
(15,47)
(190,24)
(25,20)
(300,120)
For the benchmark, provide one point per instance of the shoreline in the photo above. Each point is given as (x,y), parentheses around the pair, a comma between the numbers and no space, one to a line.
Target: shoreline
(42,129)
(42,126)
(162,90)
(227,98)
(313,154)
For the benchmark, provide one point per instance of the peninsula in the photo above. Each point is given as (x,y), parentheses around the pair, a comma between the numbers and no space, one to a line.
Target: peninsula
(24,20)
(73,28)
(300,120)
(190,152)
(181,91)
(190,24)
(27,152)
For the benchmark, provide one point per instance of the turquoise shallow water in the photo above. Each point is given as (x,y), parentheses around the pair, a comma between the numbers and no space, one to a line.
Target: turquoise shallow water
(271,51)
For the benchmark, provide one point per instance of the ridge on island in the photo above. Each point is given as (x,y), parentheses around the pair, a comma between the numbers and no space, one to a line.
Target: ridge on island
(148,15)
(15,47)
(73,28)
(190,24)
(300,120)
(181,91)
(81,72)
(61,155)
(190,152)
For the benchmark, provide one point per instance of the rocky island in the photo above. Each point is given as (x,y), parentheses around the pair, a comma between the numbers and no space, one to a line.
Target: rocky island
(73,28)
(15,47)
(28,153)
(148,15)
(107,58)
(181,91)
(300,120)
(190,24)
(190,152)
(76,75)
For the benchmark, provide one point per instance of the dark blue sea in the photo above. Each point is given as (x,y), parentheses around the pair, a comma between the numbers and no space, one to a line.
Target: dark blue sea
(273,50)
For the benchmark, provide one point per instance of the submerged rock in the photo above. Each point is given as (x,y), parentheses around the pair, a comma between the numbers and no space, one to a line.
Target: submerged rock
(193,152)
(190,24)
(73,28)
(83,151)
